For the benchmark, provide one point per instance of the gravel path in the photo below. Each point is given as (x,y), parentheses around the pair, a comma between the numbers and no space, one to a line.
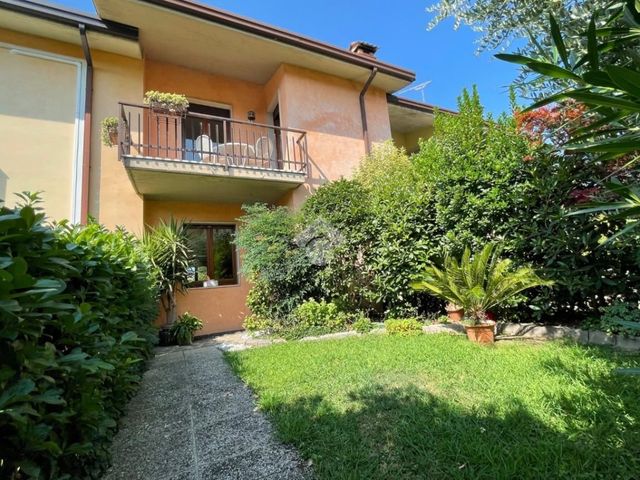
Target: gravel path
(194,419)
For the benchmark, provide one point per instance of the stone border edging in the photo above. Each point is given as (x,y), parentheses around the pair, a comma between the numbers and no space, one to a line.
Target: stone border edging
(551,332)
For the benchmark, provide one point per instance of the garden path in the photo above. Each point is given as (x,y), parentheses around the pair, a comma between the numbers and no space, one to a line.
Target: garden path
(194,419)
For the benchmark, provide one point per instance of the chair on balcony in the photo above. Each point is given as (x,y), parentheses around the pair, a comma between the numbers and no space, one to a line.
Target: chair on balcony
(265,152)
(204,149)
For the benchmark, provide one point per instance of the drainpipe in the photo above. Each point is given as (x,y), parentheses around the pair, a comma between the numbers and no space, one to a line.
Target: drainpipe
(86,144)
(363,111)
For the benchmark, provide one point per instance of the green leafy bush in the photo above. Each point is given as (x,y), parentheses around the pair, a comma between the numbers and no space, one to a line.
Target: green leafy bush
(76,312)
(256,323)
(403,326)
(281,273)
(362,324)
(183,329)
(313,314)
(619,317)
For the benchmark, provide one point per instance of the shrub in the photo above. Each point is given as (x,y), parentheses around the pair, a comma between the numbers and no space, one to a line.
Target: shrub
(76,309)
(613,319)
(256,323)
(362,324)
(313,314)
(341,230)
(281,272)
(183,329)
(403,326)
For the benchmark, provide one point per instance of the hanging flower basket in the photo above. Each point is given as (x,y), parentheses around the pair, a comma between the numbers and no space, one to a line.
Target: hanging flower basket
(109,131)
(166,103)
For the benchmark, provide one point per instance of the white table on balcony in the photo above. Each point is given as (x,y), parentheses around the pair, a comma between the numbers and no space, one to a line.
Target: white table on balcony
(229,153)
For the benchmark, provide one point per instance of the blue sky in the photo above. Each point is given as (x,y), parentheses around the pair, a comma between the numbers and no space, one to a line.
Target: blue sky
(443,56)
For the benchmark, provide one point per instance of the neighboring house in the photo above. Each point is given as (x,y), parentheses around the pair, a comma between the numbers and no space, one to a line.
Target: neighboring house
(273,116)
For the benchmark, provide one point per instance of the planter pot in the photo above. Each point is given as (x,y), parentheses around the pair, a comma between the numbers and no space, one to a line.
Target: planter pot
(455,314)
(164,337)
(113,136)
(169,110)
(483,333)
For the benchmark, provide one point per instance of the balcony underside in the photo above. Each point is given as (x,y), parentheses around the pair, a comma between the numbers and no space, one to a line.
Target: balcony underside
(160,179)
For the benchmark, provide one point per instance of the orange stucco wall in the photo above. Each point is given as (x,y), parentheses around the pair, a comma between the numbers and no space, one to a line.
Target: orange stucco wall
(222,309)
(328,109)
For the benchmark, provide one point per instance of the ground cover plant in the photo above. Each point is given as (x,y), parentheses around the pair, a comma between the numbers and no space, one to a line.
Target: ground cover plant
(438,406)
(76,312)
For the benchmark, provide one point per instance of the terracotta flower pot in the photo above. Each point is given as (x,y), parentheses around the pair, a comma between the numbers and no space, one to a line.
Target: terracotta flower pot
(455,313)
(113,136)
(483,333)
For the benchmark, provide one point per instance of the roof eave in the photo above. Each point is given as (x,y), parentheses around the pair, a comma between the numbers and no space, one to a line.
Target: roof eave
(283,36)
(69,17)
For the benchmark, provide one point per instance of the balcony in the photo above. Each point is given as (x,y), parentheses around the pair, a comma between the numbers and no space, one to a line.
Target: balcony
(206,158)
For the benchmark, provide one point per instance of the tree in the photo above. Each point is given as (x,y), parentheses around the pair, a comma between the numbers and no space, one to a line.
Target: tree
(524,23)
(610,91)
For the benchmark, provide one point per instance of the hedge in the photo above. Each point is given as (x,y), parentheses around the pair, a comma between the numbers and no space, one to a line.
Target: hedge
(76,311)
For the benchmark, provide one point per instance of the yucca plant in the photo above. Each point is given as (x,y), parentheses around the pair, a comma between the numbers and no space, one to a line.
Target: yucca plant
(478,282)
(170,252)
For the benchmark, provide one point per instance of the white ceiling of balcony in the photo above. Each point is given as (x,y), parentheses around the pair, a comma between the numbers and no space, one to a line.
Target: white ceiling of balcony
(185,40)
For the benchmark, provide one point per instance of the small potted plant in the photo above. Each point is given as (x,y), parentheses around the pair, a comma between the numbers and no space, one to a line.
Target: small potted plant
(109,131)
(454,312)
(183,329)
(478,283)
(166,103)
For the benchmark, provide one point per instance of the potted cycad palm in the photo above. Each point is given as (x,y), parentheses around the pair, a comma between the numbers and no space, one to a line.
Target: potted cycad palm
(169,250)
(478,283)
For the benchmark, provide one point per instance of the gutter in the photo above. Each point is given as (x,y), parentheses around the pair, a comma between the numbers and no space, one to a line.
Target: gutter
(88,108)
(363,111)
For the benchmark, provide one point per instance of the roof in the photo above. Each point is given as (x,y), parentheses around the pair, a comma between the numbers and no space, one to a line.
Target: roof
(68,16)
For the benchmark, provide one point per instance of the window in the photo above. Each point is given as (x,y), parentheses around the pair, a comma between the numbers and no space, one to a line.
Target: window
(194,127)
(215,254)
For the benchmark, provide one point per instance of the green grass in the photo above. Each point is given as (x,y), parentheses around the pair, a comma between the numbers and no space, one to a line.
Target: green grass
(439,406)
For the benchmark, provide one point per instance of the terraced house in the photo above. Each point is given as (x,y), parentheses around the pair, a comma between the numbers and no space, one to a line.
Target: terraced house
(272,115)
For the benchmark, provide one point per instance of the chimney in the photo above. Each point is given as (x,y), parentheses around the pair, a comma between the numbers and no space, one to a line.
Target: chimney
(363,48)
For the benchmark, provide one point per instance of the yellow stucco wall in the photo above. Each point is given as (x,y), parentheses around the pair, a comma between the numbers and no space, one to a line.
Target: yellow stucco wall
(112,199)
(38,126)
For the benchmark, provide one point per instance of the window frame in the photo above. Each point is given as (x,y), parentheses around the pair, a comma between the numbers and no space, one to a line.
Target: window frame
(209,228)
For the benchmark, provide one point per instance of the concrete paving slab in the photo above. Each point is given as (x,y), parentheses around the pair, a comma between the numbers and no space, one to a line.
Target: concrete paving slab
(194,419)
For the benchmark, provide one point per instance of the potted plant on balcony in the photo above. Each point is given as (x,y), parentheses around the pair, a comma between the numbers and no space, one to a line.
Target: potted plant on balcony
(478,283)
(109,131)
(169,250)
(166,103)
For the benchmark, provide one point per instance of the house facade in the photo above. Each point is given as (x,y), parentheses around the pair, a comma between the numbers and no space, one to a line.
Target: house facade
(272,116)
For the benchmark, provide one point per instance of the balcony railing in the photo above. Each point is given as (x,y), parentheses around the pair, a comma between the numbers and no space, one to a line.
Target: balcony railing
(209,139)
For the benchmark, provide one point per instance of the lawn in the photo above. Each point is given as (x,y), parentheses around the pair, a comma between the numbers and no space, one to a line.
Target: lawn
(438,406)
